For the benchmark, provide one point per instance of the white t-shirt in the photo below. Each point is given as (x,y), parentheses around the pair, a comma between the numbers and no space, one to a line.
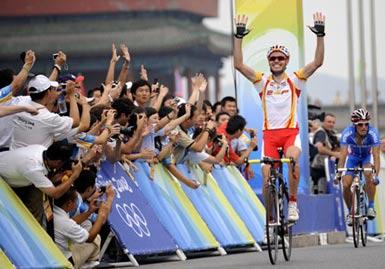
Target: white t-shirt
(6,127)
(67,231)
(24,167)
(42,129)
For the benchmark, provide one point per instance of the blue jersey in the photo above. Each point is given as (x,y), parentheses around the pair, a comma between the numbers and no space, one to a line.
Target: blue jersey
(348,138)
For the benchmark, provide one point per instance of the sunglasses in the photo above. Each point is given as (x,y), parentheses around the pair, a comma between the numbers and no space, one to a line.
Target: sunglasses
(279,58)
(362,124)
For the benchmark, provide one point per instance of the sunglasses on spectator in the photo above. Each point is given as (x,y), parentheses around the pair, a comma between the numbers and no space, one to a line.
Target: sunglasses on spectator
(279,58)
(360,124)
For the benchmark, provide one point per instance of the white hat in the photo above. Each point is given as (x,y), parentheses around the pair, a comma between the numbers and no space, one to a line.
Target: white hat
(40,83)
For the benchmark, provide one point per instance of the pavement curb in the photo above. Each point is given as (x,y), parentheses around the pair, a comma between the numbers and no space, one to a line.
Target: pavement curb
(316,239)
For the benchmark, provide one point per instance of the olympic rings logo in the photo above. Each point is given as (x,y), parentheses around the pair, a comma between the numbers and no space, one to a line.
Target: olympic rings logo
(133,217)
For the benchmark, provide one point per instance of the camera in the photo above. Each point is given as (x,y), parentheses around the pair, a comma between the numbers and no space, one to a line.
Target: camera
(217,139)
(312,115)
(55,55)
(126,131)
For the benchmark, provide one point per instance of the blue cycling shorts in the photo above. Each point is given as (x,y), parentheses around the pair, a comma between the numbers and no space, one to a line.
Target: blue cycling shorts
(354,161)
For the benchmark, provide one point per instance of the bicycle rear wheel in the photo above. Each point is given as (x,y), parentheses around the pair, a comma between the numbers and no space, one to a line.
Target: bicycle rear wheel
(364,221)
(271,224)
(355,216)
(286,227)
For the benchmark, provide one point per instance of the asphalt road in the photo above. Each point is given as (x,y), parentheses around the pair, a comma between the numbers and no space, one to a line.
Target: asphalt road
(329,257)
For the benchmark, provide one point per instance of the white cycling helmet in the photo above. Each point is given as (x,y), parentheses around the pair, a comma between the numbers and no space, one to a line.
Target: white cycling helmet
(279,48)
(359,115)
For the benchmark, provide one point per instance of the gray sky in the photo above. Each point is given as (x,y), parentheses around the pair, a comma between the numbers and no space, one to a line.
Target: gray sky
(335,64)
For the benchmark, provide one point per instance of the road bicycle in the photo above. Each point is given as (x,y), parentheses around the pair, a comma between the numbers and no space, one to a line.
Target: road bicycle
(276,204)
(359,207)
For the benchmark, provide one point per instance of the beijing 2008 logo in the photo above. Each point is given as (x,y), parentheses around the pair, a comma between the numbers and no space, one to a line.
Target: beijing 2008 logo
(133,217)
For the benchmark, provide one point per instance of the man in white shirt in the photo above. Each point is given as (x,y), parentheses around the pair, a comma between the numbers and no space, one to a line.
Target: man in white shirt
(10,85)
(47,127)
(77,244)
(26,170)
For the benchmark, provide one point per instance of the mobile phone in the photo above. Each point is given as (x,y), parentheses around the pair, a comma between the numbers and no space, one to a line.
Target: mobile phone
(156,81)
(102,189)
(55,55)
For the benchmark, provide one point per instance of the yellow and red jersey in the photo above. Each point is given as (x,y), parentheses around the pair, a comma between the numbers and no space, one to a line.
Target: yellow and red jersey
(280,99)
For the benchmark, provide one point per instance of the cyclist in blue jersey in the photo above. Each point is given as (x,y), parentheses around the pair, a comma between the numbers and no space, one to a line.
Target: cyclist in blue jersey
(359,142)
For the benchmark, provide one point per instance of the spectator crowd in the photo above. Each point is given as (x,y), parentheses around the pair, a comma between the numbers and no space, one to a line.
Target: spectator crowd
(54,135)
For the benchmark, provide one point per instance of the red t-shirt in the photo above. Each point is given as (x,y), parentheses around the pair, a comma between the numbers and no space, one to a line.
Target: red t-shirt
(230,155)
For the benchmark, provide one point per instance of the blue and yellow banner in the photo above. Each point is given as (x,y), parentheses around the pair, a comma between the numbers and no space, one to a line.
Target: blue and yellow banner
(22,239)
(215,209)
(173,208)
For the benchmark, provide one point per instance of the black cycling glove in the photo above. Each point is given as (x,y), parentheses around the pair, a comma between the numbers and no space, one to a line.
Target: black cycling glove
(241,30)
(318,28)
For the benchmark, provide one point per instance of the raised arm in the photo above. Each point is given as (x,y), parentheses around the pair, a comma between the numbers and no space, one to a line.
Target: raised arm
(60,61)
(174,123)
(195,82)
(21,77)
(319,30)
(125,66)
(111,68)
(241,31)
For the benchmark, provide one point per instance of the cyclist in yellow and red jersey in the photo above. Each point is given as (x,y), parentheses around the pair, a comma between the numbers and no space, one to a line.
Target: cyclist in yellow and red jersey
(279,93)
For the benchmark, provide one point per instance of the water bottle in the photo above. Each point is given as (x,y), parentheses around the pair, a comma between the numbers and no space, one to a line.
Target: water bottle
(61,102)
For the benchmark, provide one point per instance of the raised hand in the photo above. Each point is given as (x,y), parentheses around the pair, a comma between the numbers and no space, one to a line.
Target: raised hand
(110,116)
(211,124)
(240,24)
(29,58)
(199,82)
(163,90)
(125,53)
(143,73)
(61,58)
(319,24)
(70,87)
(114,58)
(188,110)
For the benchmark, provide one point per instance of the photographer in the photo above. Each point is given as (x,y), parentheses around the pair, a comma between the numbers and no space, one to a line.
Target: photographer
(231,130)
(26,171)
(79,245)
(327,145)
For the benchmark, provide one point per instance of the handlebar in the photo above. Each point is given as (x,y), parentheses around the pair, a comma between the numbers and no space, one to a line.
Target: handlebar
(356,169)
(267,160)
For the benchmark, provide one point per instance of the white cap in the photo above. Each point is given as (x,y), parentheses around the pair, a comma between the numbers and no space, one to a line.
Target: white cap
(40,83)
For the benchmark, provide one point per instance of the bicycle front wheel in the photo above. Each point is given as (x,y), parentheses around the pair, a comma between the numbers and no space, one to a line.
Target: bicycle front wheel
(364,221)
(272,224)
(355,216)
(286,227)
